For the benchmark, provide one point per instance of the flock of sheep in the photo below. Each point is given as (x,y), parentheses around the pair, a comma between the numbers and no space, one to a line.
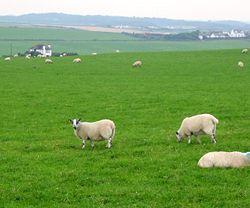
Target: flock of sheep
(195,125)
(241,63)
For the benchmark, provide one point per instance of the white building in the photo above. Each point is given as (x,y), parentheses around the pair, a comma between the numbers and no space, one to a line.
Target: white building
(42,49)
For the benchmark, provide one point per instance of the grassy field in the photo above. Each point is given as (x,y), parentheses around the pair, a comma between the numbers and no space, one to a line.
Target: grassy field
(86,42)
(42,163)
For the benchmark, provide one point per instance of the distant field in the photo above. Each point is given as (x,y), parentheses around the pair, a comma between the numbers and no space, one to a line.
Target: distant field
(86,42)
(42,163)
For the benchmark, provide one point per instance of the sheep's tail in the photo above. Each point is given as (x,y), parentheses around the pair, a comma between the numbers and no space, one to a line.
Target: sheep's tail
(215,120)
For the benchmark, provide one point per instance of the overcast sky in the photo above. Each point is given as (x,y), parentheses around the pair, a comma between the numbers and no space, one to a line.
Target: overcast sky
(174,9)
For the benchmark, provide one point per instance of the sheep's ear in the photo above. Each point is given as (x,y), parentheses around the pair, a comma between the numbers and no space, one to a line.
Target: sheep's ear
(79,119)
(177,133)
(70,121)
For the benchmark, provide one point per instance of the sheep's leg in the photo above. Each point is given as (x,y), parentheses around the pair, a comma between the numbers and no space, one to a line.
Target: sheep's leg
(109,145)
(189,139)
(83,144)
(92,143)
(198,139)
(213,138)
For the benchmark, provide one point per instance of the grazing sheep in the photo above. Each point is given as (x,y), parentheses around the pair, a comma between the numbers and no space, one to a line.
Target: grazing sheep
(48,61)
(137,64)
(245,50)
(27,57)
(224,160)
(95,131)
(77,60)
(39,56)
(94,54)
(7,59)
(16,55)
(197,125)
(240,64)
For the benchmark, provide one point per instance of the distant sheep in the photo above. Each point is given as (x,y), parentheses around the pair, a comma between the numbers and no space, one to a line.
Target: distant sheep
(7,59)
(27,57)
(137,64)
(94,54)
(245,50)
(117,51)
(48,61)
(241,64)
(16,55)
(225,160)
(77,60)
(198,125)
(95,131)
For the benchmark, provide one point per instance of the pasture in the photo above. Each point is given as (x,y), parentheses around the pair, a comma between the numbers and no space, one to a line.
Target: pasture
(42,163)
(86,42)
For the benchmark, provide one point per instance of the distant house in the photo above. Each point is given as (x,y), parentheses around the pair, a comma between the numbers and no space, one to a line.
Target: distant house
(42,49)
(223,35)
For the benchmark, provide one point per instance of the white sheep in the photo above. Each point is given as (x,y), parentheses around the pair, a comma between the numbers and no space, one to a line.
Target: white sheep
(48,61)
(245,50)
(240,64)
(7,59)
(137,64)
(94,131)
(16,55)
(27,57)
(224,160)
(117,51)
(94,54)
(198,125)
(77,60)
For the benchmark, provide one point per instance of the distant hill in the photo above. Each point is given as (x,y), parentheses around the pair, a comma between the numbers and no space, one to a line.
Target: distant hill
(114,21)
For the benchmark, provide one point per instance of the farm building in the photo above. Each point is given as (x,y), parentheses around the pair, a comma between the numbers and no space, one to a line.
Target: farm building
(43,49)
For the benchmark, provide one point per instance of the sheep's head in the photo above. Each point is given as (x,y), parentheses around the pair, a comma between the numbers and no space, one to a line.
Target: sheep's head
(178,136)
(75,123)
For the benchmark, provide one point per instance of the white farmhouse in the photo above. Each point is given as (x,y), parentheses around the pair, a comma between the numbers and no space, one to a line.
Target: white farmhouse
(43,49)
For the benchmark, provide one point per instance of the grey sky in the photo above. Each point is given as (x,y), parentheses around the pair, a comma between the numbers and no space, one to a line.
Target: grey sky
(174,9)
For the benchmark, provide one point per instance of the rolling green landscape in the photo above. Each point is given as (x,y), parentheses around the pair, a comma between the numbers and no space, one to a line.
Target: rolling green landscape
(42,163)
(20,39)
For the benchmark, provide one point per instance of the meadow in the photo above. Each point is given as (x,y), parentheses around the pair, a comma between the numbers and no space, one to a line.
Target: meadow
(42,163)
(86,42)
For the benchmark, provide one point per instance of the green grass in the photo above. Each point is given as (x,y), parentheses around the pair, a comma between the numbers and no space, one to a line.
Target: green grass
(42,163)
(86,42)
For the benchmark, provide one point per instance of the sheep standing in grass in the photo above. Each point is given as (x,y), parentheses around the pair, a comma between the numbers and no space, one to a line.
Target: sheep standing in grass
(240,64)
(225,160)
(48,61)
(137,64)
(197,125)
(245,50)
(77,60)
(95,131)
(7,59)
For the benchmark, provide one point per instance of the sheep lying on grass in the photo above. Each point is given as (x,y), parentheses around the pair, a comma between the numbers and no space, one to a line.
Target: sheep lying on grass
(225,160)
(48,61)
(137,64)
(95,131)
(240,64)
(7,59)
(245,50)
(198,125)
(77,60)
